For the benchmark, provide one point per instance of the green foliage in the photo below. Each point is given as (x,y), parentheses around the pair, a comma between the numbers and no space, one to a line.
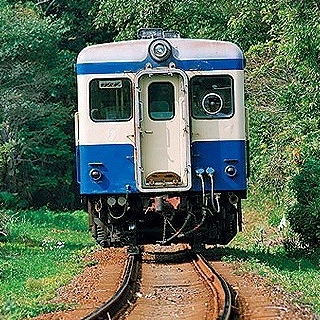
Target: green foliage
(304,216)
(126,17)
(36,149)
(244,22)
(191,18)
(283,95)
(42,252)
(24,36)
(10,200)
(39,41)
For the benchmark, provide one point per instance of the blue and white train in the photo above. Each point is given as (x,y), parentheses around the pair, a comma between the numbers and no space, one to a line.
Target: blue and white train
(161,139)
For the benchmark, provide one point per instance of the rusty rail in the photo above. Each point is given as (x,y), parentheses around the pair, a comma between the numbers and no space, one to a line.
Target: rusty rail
(218,285)
(124,295)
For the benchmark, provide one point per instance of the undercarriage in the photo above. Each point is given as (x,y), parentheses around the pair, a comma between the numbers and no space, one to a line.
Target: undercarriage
(137,219)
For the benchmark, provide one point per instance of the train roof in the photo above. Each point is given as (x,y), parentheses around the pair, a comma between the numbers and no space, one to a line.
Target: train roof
(137,50)
(133,56)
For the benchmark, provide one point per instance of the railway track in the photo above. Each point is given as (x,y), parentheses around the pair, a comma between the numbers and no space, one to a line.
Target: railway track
(123,296)
(162,284)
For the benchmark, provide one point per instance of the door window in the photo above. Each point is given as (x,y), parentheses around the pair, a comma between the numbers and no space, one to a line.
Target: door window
(161,100)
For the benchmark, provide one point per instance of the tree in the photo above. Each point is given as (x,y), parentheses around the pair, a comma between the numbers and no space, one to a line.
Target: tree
(35,115)
(190,18)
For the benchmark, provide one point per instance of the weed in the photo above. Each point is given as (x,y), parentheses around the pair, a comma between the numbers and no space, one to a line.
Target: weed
(42,252)
(277,255)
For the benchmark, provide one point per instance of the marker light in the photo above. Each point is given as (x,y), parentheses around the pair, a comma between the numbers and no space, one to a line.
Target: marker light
(231,171)
(152,33)
(95,174)
(160,50)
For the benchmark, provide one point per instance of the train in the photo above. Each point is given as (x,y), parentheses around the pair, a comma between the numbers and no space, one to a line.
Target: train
(162,144)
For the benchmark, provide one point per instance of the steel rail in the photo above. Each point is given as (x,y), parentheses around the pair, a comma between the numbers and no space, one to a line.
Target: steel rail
(218,285)
(123,296)
(224,301)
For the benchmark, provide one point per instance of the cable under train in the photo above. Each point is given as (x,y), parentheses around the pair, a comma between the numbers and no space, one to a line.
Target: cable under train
(162,140)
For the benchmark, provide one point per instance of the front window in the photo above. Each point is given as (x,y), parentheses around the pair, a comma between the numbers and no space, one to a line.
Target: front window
(161,100)
(110,99)
(212,97)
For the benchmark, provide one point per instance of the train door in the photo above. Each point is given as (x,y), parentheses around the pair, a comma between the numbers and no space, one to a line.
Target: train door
(163,135)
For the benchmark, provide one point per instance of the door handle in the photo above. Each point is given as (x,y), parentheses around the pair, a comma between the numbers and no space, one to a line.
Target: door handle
(148,131)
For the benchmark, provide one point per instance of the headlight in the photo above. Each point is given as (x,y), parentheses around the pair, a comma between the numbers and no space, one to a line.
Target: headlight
(160,50)
(95,174)
(212,103)
(231,171)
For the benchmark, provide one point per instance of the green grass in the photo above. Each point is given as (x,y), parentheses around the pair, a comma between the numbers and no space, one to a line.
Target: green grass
(42,252)
(276,256)
(298,275)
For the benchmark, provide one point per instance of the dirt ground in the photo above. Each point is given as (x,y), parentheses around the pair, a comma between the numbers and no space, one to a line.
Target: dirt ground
(257,300)
(102,277)
(93,287)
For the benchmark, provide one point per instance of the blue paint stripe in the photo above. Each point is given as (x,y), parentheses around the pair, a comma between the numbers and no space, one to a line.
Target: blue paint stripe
(134,66)
(116,163)
(218,155)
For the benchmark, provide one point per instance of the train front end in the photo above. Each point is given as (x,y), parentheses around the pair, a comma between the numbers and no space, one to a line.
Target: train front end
(161,140)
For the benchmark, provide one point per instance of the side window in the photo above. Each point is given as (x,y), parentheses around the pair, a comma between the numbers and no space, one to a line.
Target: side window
(212,97)
(161,100)
(110,99)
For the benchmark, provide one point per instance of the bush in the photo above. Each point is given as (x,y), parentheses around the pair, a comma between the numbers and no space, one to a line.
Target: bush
(10,200)
(304,215)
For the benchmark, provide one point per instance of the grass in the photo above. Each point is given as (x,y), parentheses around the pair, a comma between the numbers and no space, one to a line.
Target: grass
(42,252)
(298,275)
(276,256)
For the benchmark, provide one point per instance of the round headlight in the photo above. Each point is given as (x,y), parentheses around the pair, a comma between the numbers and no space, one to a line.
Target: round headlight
(95,174)
(212,103)
(231,171)
(160,50)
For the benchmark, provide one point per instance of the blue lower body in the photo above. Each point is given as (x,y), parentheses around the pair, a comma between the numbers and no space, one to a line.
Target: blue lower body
(219,155)
(116,163)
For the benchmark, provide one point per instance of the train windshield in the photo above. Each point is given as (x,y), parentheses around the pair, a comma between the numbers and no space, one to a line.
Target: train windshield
(212,97)
(110,99)
(161,100)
